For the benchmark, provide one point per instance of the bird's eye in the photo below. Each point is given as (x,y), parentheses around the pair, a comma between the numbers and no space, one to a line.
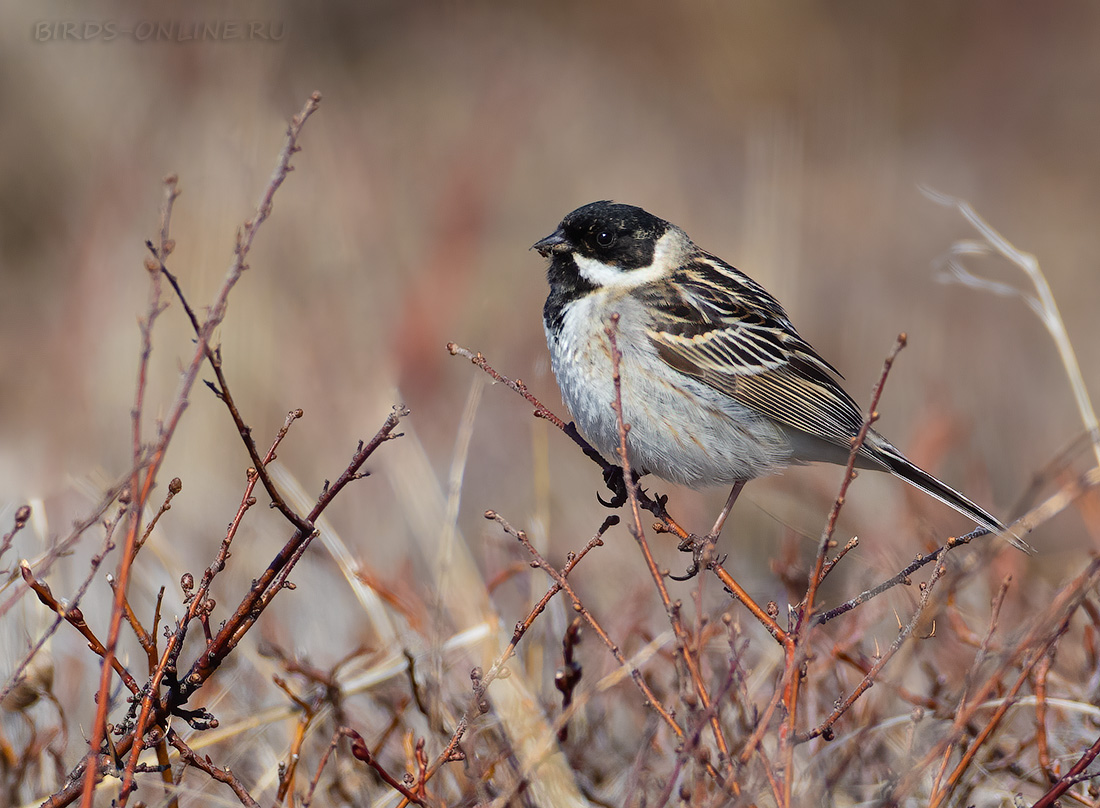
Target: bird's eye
(605,238)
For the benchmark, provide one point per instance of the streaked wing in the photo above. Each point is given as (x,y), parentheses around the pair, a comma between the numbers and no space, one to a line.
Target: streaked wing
(718,325)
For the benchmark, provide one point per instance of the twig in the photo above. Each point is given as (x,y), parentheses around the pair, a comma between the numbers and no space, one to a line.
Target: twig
(70,612)
(307,800)
(211,657)
(736,590)
(62,548)
(684,645)
(146,468)
(1073,776)
(307,712)
(72,615)
(560,583)
(22,516)
(651,504)
(518,386)
(140,487)
(362,752)
(817,575)
(174,487)
(824,729)
(1062,607)
(204,764)
(940,795)
(903,577)
(452,751)
(1041,743)
(217,310)
(983,648)
(797,651)
(264,587)
(196,603)
(686,750)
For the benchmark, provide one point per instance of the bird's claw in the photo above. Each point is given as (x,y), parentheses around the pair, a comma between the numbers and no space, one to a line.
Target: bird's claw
(614,480)
(690,573)
(702,555)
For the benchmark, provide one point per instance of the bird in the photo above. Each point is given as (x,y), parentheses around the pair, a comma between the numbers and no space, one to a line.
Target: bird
(717,385)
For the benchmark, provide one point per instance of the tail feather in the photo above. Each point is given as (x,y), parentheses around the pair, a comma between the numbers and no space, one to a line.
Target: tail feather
(897,464)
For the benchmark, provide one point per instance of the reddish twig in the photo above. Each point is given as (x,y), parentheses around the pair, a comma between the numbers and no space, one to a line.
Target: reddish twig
(307,712)
(452,751)
(798,650)
(141,484)
(196,604)
(70,611)
(307,800)
(361,752)
(1041,743)
(156,710)
(174,487)
(541,411)
(655,505)
(1075,775)
(902,578)
(939,795)
(72,615)
(64,547)
(203,331)
(987,640)
(736,590)
(683,639)
(267,584)
(1038,638)
(817,575)
(560,583)
(824,729)
(204,764)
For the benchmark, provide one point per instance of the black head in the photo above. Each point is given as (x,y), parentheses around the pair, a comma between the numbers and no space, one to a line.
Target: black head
(621,236)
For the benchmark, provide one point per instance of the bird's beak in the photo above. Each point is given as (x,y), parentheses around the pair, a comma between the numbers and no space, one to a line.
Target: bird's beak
(556,242)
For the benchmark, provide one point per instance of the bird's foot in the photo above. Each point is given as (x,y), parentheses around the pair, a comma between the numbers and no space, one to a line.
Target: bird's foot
(614,480)
(702,552)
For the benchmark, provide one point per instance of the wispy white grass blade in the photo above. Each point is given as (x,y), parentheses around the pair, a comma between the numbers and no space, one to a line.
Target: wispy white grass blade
(1042,302)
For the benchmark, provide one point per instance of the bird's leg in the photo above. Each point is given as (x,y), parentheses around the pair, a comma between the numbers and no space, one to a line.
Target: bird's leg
(735,492)
(702,547)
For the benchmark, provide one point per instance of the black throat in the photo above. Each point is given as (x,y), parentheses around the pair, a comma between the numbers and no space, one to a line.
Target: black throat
(566,285)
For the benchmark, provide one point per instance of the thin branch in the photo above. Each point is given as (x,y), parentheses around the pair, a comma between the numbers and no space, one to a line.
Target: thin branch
(204,764)
(798,651)
(684,644)
(1073,776)
(1038,639)
(902,578)
(824,729)
(560,583)
(22,516)
(452,751)
(145,470)
(70,611)
(360,750)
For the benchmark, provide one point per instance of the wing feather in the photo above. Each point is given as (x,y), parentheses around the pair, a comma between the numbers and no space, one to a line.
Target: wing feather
(714,323)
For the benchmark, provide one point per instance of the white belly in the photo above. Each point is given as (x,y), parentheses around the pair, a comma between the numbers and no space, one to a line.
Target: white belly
(680,429)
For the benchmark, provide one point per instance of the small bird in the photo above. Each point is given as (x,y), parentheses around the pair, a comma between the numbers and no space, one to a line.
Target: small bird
(717,385)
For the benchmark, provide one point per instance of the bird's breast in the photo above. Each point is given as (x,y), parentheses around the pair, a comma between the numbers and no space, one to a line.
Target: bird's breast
(680,429)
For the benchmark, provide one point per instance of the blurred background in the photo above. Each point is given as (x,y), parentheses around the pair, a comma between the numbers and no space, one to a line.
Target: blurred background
(790,139)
